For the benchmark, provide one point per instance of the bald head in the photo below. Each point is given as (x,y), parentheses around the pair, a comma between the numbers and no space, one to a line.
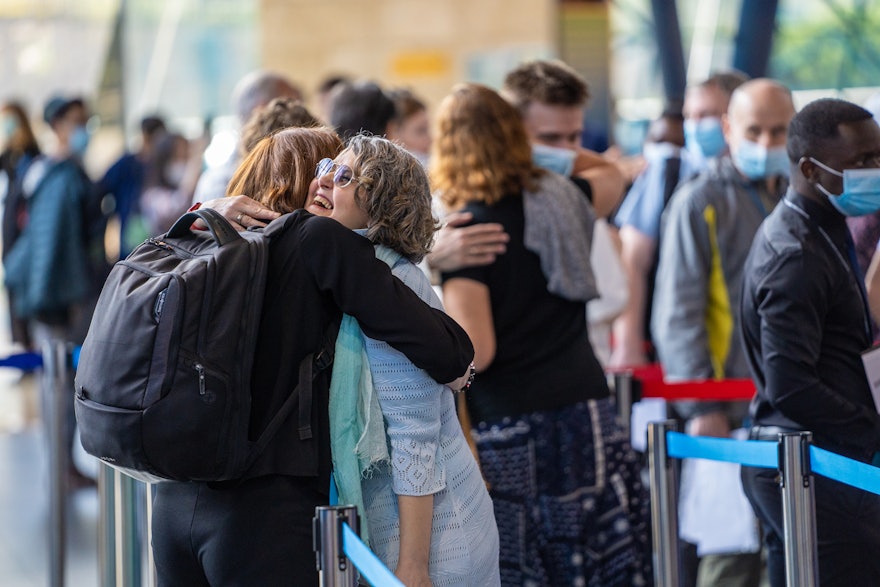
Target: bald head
(761,93)
(756,125)
(257,89)
(760,111)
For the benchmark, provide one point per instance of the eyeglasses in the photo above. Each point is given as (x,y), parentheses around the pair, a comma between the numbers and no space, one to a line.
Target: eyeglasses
(343,176)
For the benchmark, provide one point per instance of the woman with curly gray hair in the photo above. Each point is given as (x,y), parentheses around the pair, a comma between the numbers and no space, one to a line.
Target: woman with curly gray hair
(427,512)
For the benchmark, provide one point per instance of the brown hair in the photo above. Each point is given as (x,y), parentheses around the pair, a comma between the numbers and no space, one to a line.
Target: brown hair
(23,140)
(395,193)
(278,171)
(278,114)
(405,104)
(726,81)
(481,152)
(545,81)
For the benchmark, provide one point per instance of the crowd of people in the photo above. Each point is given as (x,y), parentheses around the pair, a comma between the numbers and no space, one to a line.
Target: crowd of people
(484,271)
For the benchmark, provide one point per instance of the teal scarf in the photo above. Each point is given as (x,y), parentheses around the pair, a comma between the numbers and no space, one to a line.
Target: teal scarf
(357,432)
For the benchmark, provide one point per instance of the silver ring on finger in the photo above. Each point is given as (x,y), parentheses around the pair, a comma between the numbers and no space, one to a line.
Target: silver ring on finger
(239,217)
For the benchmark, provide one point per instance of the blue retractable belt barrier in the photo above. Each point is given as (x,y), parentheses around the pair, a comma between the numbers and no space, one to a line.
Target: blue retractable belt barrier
(23,361)
(370,567)
(751,453)
(32,361)
(854,473)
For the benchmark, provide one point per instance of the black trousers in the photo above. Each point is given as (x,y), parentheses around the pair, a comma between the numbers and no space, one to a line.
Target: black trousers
(847,526)
(256,533)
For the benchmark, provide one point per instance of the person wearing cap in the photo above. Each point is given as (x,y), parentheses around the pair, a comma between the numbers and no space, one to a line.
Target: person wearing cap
(54,269)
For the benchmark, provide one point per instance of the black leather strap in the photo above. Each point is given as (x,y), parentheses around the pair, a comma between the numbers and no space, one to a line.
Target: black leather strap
(218,226)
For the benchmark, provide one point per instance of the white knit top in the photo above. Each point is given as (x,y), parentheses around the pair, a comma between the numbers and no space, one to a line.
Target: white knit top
(429,455)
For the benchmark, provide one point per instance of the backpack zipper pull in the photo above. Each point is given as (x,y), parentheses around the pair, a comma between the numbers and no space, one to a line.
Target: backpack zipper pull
(159,243)
(201,369)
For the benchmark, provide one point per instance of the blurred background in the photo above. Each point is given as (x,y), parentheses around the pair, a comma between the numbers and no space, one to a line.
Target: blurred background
(182,58)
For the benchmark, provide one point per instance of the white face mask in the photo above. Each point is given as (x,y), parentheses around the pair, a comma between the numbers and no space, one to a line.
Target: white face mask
(660,151)
(175,173)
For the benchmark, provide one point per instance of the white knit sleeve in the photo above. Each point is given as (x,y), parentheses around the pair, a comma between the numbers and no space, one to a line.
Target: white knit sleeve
(411,406)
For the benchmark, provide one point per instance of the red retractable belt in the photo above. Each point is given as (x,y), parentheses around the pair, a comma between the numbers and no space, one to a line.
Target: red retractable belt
(650,378)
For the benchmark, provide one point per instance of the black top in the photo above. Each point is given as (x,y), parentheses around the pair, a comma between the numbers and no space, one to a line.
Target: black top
(543,356)
(317,270)
(584,186)
(803,326)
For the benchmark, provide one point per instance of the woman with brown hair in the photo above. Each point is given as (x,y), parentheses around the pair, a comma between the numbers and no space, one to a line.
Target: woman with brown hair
(20,148)
(257,530)
(562,476)
(280,168)
(410,127)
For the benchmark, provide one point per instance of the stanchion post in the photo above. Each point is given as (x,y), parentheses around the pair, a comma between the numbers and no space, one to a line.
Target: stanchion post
(623,395)
(334,568)
(147,548)
(107,526)
(664,505)
(55,375)
(798,510)
(127,546)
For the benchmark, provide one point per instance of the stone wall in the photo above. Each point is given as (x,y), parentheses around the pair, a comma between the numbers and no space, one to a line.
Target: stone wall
(425,45)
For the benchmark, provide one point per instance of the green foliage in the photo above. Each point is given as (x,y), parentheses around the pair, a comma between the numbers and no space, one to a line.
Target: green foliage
(834,48)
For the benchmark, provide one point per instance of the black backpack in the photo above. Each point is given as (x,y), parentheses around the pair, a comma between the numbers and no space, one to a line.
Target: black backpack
(163,381)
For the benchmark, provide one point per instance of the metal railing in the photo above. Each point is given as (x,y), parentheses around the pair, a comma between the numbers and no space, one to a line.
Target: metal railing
(798,500)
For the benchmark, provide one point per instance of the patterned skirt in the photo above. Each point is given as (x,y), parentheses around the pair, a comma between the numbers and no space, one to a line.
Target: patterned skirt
(568,498)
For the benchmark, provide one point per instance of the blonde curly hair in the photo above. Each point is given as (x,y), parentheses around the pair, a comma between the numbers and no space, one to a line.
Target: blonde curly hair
(481,152)
(395,194)
(278,171)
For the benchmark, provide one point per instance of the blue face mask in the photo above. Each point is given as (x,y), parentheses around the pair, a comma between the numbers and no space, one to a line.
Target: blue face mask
(79,140)
(861,190)
(758,162)
(8,126)
(704,137)
(554,159)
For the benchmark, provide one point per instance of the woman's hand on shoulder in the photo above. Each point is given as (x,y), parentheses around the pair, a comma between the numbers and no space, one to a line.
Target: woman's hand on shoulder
(242,212)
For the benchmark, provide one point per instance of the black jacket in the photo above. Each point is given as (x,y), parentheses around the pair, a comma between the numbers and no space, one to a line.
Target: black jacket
(804,327)
(319,269)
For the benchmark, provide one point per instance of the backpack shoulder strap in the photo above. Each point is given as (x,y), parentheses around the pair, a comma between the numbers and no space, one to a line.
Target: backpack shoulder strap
(276,226)
(309,368)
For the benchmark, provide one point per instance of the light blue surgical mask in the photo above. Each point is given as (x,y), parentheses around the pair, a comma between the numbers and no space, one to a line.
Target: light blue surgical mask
(861,190)
(704,137)
(79,140)
(758,162)
(554,159)
(8,126)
